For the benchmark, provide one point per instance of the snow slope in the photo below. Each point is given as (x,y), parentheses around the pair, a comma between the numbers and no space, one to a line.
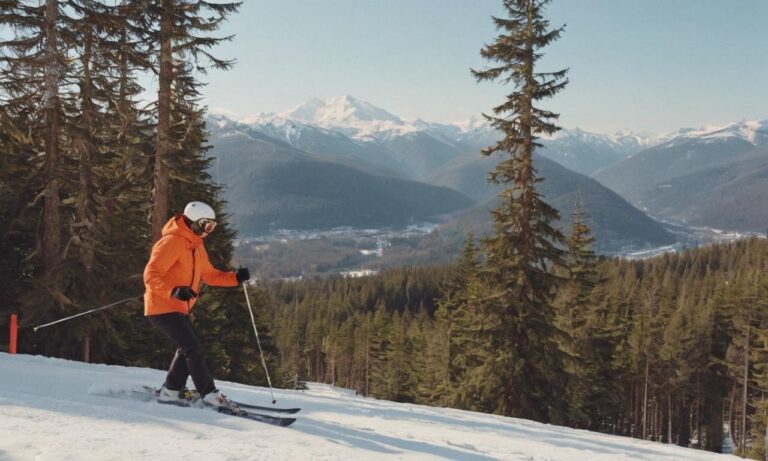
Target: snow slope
(46,413)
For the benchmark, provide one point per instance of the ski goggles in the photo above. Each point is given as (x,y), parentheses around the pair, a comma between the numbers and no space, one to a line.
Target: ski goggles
(206,225)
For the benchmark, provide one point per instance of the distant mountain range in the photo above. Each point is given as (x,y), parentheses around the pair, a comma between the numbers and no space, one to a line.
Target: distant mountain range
(272,185)
(713,177)
(586,152)
(343,161)
(617,224)
(365,134)
(348,129)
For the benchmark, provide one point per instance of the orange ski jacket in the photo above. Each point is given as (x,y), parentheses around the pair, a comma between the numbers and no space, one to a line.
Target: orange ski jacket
(179,259)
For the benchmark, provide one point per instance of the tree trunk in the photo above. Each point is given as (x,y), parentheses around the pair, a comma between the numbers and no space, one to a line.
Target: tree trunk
(731,413)
(683,425)
(51,241)
(87,348)
(333,367)
(85,213)
(669,417)
(698,420)
(636,417)
(367,366)
(743,438)
(162,148)
(122,87)
(645,402)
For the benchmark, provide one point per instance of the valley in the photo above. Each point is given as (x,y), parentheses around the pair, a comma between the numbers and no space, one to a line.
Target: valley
(300,254)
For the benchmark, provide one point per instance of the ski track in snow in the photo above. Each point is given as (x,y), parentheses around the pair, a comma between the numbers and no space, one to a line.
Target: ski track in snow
(46,413)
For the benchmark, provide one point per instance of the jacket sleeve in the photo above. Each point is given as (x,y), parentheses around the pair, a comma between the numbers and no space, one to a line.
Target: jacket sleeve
(214,277)
(164,255)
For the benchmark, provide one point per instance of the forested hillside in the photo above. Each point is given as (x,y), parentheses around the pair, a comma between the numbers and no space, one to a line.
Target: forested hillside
(661,343)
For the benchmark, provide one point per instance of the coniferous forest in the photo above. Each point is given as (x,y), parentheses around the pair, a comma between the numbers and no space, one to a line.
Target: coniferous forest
(93,164)
(528,322)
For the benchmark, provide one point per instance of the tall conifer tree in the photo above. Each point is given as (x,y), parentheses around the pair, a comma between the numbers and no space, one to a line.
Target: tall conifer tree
(16,227)
(460,319)
(179,30)
(103,249)
(34,68)
(575,319)
(525,376)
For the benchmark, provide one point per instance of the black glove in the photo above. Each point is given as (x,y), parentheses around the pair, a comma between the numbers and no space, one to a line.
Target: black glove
(183,293)
(243,274)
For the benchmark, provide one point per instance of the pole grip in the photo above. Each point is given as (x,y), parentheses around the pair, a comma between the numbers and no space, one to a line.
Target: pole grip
(14,334)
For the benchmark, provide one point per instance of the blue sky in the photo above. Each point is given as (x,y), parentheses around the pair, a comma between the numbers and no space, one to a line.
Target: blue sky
(654,65)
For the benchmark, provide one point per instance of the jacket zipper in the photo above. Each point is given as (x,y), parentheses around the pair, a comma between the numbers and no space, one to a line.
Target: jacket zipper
(192,282)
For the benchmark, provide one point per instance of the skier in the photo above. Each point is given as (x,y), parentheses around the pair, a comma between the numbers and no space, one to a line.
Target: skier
(172,280)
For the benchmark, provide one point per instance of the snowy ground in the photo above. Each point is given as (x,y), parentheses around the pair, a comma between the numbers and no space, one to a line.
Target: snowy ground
(46,413)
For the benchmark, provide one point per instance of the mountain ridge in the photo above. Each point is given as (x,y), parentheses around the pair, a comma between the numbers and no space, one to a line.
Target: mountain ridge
(380,133)
(349,113)
(705,177)
(272,185)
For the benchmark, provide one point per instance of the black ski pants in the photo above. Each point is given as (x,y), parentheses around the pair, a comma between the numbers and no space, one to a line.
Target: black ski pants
(189,358)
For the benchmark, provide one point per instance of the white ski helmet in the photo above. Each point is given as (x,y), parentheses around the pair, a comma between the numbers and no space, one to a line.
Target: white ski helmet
(195,211)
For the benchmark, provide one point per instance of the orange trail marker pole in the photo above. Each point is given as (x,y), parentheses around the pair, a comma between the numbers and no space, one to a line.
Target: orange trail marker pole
(14,329)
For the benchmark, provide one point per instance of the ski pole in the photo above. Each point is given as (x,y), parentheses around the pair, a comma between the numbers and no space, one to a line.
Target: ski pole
(85,313)
(261,352)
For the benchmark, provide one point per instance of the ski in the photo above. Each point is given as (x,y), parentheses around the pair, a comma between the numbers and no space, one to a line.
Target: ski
(269,419)
(149,394)
(249,406)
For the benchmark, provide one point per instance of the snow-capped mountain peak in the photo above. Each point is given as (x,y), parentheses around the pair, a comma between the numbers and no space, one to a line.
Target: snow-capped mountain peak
(351,116)
(473,123)
(339,111)
(753,131)
(623,142)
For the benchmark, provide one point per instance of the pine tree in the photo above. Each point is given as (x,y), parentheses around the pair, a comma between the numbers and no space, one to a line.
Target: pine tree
(107,243)
(459,321)
(714,381)
(33,75)
(428,360)
(399,386)
(17,228)
(608,325)
(51,107)
(181,39)
(379,348)
(523,252)
(576,319)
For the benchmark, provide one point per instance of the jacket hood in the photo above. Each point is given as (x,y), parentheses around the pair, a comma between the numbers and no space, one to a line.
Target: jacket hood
(177,226)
